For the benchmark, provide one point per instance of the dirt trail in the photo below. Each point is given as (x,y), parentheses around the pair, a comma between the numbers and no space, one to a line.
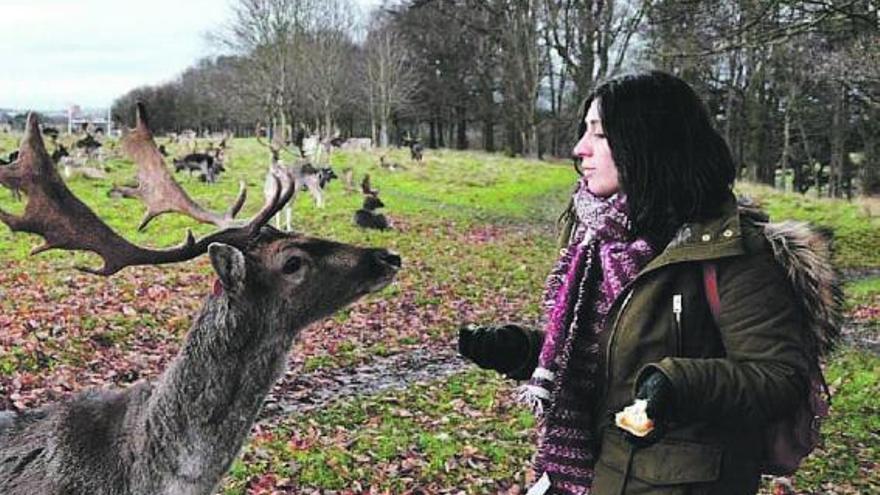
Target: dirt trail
(299,393)
(859,334)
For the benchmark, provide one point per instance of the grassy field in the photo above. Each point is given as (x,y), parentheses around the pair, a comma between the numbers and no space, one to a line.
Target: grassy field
(475,234)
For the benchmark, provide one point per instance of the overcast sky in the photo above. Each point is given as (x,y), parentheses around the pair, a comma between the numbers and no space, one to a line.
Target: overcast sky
(55,53)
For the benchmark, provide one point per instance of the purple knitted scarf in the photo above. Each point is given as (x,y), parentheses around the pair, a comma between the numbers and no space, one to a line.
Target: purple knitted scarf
(602,257)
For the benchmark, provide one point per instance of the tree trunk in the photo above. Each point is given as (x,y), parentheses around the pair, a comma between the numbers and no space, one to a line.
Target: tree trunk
(488,134)
(461,137)
(441,134)
(838,145)
(786,148)
(869,173)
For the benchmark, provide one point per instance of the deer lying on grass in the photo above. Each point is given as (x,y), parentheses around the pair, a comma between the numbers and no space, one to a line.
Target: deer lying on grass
(75,166)
(391,166)
(367,217)
(179,435)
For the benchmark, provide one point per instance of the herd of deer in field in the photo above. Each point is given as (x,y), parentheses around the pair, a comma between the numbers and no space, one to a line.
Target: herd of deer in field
(179,434)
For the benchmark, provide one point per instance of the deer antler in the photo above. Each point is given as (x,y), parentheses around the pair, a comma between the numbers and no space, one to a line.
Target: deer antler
(275,148)
(366,188)
(158,189)
(65,222)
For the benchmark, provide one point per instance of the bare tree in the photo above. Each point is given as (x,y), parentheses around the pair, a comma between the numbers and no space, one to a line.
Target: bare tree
(327,62)
(391,80)
(270,34)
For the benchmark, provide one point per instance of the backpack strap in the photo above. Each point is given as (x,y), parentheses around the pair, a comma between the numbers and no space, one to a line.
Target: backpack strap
(710,286)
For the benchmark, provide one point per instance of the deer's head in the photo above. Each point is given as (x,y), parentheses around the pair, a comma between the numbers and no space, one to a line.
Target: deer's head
(300,279)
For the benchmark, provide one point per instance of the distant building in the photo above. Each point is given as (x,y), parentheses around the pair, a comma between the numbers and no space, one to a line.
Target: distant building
(93,122)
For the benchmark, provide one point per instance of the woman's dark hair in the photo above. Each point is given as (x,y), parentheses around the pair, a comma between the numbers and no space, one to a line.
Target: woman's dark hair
(672,164)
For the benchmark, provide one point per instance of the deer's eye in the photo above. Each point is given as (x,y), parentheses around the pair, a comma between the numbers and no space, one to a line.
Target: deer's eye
(292,265)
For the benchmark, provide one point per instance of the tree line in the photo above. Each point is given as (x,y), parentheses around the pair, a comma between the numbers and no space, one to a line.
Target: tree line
(793,85)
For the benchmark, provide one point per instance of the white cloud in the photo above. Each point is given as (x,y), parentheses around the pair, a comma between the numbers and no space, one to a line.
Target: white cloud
(91,51)
(88,52)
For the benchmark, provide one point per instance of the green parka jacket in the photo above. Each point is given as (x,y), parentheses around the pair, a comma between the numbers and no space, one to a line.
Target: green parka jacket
(729,382)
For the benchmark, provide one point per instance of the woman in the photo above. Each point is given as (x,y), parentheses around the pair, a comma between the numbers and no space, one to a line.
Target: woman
(627,317)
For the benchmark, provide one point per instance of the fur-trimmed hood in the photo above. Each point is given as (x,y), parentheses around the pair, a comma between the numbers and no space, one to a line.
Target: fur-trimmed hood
(805,254)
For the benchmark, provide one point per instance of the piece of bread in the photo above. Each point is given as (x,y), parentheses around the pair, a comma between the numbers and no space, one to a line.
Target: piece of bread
(634,419)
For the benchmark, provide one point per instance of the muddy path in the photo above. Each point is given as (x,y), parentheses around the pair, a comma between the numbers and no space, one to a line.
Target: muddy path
(858,273)
(301,392)
(864,335)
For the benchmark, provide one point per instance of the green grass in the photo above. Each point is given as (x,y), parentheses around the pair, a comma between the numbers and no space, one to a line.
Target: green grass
(862,292)
(856,235)
(465,432)
(851,449)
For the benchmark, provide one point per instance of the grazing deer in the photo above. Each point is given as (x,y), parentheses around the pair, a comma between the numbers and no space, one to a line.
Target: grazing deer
(180,434)
(208,164)
(415,148)
(90,145)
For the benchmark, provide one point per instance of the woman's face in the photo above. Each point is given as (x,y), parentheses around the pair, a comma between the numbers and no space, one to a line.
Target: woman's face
(595,155)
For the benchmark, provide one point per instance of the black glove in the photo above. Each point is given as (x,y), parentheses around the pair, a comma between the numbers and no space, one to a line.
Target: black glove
(508,349)
(658,391)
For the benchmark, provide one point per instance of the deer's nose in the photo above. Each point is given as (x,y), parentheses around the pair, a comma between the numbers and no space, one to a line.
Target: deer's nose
(389,258)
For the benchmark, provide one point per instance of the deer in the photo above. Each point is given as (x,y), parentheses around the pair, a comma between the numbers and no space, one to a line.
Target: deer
(302,173)
(209,164)
(52,132)
(391,166)
(13,155)
(89,144)
(415,148)
(10,179)
(367,217)
(179,434)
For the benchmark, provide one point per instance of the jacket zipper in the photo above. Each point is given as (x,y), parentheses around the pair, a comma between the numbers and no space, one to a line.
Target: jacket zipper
(611,336)
(676,310)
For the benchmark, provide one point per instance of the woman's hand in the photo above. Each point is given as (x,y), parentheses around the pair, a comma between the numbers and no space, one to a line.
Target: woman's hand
(657,390)
(507,349)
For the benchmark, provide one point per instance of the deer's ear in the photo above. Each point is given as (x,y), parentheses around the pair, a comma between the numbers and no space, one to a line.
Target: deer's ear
(229,264)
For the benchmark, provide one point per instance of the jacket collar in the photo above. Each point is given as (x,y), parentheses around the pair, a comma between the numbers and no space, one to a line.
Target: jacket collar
(719,237)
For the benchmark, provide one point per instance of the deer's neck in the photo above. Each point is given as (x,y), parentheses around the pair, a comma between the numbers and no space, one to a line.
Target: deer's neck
(201,411)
